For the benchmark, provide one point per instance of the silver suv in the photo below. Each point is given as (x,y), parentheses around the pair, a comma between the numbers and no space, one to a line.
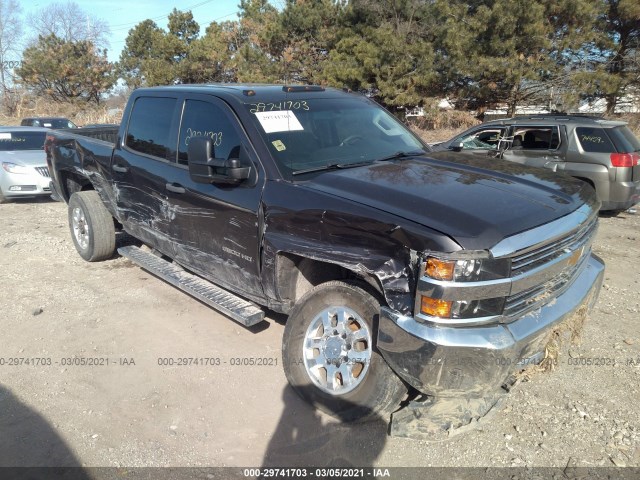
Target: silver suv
(603,153)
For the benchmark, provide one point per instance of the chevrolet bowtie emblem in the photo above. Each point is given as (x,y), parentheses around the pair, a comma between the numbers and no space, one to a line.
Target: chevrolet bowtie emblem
(575,257)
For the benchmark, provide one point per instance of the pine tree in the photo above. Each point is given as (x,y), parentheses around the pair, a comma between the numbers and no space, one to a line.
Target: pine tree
(66,70)
(384,49)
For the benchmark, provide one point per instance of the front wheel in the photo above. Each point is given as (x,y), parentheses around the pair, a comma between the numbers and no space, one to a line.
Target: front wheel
(329,354)
(3,199)
(91,226)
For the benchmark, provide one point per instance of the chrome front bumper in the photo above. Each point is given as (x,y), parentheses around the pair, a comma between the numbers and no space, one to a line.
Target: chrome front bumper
(15,185)
(474,361)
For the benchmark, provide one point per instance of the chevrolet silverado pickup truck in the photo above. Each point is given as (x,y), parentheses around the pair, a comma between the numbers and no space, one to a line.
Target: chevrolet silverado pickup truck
(405,279)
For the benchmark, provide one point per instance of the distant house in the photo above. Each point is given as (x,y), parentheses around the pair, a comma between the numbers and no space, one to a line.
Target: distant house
(629,103)
(502,111)
(443,104)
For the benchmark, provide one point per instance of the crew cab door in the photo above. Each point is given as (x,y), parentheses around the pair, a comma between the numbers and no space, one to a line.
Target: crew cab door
(216,226)
(140,164)
(542,146)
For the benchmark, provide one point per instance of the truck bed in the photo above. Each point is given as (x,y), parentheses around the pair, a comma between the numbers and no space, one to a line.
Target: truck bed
(81,153)
(106,134)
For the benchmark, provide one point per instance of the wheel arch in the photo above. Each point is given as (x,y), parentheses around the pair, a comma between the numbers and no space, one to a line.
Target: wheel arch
(72,182)
(297,274)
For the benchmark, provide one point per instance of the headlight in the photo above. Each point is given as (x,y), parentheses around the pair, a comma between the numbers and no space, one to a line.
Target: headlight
(467,269)
(455,286)
(15,168)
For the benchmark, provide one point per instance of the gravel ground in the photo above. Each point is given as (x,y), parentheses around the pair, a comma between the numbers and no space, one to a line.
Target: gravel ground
(130,411)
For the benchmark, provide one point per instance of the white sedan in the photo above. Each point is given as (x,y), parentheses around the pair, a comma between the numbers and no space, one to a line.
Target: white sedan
(23,164)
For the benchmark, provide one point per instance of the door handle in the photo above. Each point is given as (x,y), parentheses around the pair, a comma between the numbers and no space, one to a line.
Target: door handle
(119,169)
(175,188)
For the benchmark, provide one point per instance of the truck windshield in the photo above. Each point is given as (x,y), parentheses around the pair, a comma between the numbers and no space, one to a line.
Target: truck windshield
(318,134)
(10,141)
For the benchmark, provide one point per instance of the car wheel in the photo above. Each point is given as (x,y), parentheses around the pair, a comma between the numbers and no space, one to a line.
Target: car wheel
(3,199)
(91,226)
(611,213)
(329,354)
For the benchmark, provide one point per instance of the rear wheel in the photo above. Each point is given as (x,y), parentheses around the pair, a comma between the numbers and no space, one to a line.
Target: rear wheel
(91,226)
(330,358)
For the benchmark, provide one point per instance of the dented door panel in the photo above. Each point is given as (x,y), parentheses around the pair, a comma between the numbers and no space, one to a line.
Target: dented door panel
(215,231)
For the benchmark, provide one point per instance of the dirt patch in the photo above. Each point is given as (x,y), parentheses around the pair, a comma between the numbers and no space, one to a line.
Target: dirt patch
(137,409)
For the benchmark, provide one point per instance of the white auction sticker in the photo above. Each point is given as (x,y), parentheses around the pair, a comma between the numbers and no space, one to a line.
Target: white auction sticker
(280,121)
(5,136)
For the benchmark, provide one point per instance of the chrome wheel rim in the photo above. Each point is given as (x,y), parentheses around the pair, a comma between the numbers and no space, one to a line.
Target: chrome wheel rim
(80,228)
(337,350)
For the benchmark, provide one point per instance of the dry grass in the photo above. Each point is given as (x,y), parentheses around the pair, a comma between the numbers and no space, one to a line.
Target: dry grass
(558,343)
(440,125)
(567,334)
(436,136)
(79,114)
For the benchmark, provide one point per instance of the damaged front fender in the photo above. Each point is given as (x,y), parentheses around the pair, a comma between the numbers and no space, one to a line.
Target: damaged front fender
(363,240)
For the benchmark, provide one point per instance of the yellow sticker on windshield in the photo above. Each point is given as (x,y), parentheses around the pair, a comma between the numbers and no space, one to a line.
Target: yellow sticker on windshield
(279,145)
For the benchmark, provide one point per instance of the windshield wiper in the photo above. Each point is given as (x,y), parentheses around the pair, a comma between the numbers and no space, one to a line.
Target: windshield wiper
(332,166)
(337,166)
(399,155)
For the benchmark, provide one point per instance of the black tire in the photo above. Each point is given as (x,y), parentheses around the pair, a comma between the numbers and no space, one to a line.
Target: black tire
(92,230)
(612,213)
(378,393)
(3,199)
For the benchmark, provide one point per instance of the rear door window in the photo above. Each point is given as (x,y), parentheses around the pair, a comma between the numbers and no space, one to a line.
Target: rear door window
(536,137)
(594,139)
(149,130)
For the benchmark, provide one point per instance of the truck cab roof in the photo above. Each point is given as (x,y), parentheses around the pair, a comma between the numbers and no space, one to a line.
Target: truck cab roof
(250,93)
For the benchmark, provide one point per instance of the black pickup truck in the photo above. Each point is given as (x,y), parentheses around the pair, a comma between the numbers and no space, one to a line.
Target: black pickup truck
(399,273)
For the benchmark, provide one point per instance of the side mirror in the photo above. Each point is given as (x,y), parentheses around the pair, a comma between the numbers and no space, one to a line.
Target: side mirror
(205,168)
(457,147)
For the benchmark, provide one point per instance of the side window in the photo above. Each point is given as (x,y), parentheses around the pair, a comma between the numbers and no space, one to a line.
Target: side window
(594,139)
(536,138)
(149,128)
(486,139)
(204,119)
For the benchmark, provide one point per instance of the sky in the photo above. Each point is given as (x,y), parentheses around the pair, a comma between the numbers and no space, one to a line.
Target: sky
(121,16)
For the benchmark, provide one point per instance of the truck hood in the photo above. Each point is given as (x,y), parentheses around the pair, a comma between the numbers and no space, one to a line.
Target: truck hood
(31,158)
(465,200)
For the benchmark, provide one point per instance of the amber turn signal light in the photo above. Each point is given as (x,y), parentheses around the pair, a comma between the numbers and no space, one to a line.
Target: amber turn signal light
(435,307)
(439,269)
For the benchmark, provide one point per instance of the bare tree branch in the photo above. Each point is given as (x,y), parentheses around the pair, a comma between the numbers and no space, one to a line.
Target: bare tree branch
(10,35)
(68,21)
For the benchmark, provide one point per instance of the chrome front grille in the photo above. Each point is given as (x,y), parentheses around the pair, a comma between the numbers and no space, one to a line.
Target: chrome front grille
(539,255)
(530,299)
(575,247)
(44,171)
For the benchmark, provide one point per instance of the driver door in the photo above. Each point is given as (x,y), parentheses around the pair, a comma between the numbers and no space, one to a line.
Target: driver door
(218,225)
